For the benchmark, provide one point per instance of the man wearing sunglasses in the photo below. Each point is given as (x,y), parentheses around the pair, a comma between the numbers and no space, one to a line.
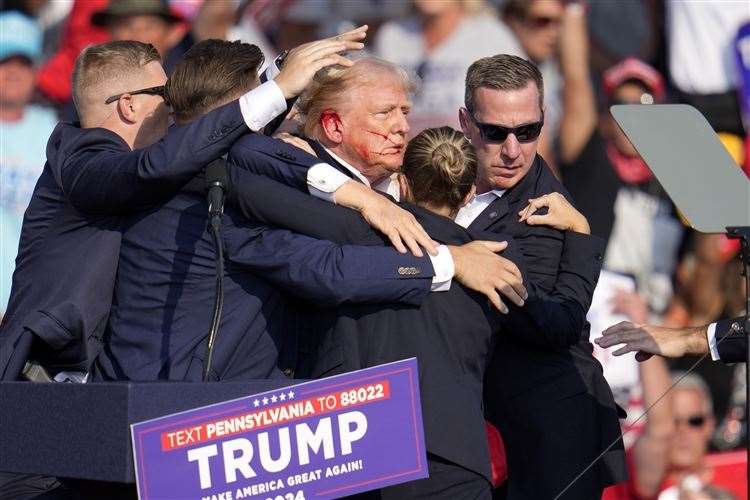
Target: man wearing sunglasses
(119,159)
(552,405)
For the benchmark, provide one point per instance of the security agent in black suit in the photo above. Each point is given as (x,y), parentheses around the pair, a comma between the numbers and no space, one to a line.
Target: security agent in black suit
(726,340)
(111,164)
(451,333)
(551,403)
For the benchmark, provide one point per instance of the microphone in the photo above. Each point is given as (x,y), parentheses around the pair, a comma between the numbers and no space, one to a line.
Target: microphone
(216,184)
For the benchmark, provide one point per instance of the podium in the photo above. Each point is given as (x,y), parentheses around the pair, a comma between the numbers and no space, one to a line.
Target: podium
(82,431)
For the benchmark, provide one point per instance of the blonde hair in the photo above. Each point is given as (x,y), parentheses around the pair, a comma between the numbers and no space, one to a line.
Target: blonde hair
(331,88)
(440,166)
(107,64)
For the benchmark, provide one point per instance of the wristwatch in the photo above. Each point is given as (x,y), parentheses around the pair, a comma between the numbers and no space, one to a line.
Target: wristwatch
(280,60)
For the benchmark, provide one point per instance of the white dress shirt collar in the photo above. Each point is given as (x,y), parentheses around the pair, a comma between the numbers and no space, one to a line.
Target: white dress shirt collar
(389,185)
(476,206)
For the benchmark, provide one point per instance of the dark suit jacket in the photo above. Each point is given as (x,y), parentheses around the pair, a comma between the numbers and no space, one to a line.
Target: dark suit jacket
(450,333)
(165,285)
(543,399)
(731,340)
(65,269)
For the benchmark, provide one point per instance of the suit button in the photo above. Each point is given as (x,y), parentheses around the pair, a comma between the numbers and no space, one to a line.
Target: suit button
(224,130)
(408,271)
(289,372)
(736,328)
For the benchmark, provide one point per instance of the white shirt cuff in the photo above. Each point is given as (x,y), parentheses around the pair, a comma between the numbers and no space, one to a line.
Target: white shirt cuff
(323,180)
(444,268)
(712,347)
(261,105)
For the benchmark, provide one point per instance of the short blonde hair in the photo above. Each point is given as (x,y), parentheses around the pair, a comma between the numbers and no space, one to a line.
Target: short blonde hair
(108,62)
(331,88)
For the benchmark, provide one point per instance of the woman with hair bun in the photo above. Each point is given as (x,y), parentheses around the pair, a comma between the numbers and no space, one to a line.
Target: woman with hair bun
(451,333)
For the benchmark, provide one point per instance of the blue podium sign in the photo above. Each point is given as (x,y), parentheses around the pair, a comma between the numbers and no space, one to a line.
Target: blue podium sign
(322,439)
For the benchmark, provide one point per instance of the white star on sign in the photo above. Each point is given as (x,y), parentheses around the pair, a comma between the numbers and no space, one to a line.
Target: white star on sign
(291,394)
(282,396)
(265,401)
(256,403)
(274,398)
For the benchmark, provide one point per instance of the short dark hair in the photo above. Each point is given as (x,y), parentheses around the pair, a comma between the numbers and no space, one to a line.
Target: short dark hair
(502,72)
(209,73)
(101,64)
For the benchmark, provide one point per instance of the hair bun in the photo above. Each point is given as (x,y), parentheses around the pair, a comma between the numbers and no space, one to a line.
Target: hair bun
(448,160)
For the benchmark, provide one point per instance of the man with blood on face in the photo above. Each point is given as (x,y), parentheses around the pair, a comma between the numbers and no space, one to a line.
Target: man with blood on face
(365,124)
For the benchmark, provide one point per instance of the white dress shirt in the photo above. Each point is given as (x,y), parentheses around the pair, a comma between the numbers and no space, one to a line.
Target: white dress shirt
(323,180)
(471,210)
(261,105)
(711,336)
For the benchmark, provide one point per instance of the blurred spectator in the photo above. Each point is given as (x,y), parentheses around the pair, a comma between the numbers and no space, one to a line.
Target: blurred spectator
(147,21)
(537,25)
(612,185)
(54,76)
(25,129)
(677,468)
(623,29)
(438,44)
(701,58)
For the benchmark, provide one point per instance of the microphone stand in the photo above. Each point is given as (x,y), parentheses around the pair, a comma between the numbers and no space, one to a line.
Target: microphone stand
(216,181)
(743,234)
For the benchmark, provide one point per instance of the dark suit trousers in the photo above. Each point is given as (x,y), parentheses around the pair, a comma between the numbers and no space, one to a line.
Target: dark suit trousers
(447,481)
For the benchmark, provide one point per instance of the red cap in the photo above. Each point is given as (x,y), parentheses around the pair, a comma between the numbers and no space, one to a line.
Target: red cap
(634,69)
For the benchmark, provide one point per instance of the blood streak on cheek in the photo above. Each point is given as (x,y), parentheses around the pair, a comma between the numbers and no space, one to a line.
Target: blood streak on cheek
(384,144)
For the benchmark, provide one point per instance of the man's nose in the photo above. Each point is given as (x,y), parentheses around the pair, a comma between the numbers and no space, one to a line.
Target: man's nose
(511,147)
(401,126)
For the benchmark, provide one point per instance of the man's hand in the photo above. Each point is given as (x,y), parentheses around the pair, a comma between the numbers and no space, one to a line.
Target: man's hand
(647,340)
(479,268)
(393,221)
(304,61)
(560,214)
(296,142)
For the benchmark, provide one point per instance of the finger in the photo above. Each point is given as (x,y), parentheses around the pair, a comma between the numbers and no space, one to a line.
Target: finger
(641,356)
(509,291)
(512,269)
(412,243)
(497,301)
(609,341)
(356,34)
(396,241)
(331,61)
(423,238)
(533,206)
(328,48)
(494,246)
(624,350)
(622,326)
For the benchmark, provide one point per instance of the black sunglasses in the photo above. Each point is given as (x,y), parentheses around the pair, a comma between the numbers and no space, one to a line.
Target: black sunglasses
(497,133)
(159,90)
(695,421)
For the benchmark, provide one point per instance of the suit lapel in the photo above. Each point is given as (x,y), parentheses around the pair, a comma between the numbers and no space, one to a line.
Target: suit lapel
(494,212)
(498,209)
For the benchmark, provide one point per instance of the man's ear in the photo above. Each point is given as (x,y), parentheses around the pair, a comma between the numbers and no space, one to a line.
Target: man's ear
(330,122)
(404,188)
(126,109)
(470,196)
(463,119)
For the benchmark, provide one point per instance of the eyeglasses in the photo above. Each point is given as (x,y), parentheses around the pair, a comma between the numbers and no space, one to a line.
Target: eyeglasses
(694,421)
(497,133)
(542,22)
(159,90)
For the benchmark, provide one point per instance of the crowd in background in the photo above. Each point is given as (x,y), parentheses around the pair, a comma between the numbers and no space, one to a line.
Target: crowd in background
(592,55)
